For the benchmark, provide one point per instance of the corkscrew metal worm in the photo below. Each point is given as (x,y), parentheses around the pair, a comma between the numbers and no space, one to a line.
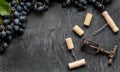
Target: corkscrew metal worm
(76,63)
(99,30)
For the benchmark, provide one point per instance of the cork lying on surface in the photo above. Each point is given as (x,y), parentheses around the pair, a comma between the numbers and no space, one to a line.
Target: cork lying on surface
(69,43)
(77,64)
(88,19)
(110,21)
(78,30)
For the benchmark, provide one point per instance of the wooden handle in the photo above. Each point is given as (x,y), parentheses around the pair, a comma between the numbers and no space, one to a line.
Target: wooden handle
(77,63)
(78,30)
(69,43)
(88,19)
(110,21)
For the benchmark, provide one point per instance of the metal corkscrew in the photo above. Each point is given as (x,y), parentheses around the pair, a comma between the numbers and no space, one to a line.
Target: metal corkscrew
(96,47)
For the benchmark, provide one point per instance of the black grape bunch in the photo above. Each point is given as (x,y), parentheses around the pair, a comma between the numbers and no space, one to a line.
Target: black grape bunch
(15,24)
(82,4)
(40,5)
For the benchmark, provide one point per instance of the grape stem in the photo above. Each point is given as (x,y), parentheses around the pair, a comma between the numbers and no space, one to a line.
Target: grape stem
(0,19)
(1,22)
(102,1)
(35,1)
(18,1)
(12,9)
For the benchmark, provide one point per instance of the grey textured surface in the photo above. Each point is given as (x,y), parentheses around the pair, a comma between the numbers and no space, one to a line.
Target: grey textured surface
(42,47)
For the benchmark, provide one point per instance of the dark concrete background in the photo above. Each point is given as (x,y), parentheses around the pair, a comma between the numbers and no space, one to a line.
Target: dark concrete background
(42,47)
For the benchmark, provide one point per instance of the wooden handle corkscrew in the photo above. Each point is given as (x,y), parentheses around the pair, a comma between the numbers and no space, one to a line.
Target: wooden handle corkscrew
(110,21)
(77,63)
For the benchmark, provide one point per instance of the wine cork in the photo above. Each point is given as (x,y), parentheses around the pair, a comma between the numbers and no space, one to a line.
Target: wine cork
(69,43)
(110,21)
(78,30)
(88,19)
(77,64)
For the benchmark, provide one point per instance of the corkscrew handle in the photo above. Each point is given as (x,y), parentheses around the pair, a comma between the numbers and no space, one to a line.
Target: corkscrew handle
(110,21)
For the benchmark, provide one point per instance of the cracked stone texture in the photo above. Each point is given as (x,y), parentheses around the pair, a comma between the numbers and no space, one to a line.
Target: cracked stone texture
(42,48)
